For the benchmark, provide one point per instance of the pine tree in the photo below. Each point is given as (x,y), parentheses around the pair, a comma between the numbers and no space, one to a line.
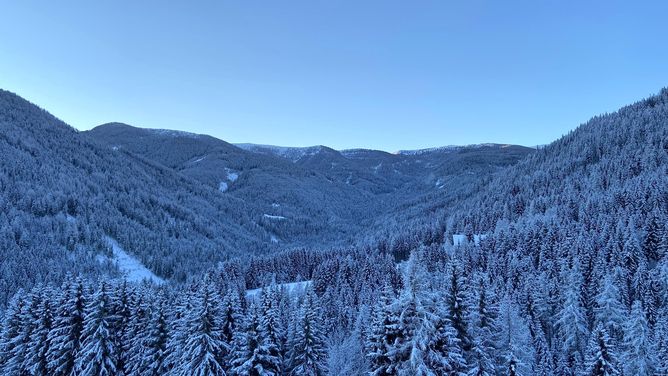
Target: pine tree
(98,354)
(609,310)
(571,324)
(203,349)
(456,303)
(652,240)
(601,359)
(248,357)
(271,330)
(121,311)
(661,335)
(232,316)
(483,318)
(180,314)
(11,329)
(516,352)
(308,353)
(383,334)
(137,334)
(36,356)
(639,352)
(150,360)
(65,336)
(18,363)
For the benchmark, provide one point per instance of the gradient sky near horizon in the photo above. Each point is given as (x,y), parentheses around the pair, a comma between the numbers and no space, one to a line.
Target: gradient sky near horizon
(387,74)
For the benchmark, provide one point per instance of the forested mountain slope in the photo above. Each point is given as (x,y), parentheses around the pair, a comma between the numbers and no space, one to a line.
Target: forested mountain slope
(315,195)
(61,195)
(178,202)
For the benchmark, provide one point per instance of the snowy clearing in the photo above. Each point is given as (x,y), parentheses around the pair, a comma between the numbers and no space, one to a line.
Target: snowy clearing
(132,269)
(223,186)
(232,175)
(276,217)
(458,239)
(292,288)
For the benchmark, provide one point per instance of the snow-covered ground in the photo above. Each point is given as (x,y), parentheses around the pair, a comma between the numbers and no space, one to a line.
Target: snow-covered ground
(132,269)
(223,186)
(276,217)
(232,175)
(458,239)
(292,288)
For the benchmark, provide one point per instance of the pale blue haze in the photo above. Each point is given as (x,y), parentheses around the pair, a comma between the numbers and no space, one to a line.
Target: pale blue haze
(382,74)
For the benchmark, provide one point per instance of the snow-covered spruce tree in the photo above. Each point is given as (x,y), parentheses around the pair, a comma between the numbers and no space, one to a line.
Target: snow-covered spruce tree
(639,353)
(347,357)
(203,348)
(36,355)
(98,354)
(11,329)
(516,352)
(150,358)
(271,328)
(65,336)
(383,334)
(232,317)
(609,310)
(307,355)
(137,333)
(652,239)
(248,356)
(179,314)
(572,325)
(661,336)
(456,303)
(17,363)
(122,314)
(427,343)
(482,318)
(601,359)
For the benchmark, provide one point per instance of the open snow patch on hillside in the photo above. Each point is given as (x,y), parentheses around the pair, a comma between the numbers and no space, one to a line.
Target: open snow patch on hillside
(232,175)
(292,288)
(132,269)
(223,186)
(276,217)
(459,239)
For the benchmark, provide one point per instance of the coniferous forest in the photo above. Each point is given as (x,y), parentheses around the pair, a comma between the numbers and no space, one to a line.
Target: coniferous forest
(553,262)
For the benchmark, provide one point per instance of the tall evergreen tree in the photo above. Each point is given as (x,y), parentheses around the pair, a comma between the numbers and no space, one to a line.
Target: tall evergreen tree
(516,352)
(249,357)
(456,303)
(98,355)
(232,317)
(203,349)
(383,334)
(639,357)
(11,329)
(271,329)
(308,349)
(572,325)
(609,310)
(65,336)
(601,359)
(36,357)
(150,359)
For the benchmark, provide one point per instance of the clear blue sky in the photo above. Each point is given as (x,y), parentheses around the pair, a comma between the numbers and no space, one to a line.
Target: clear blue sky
(383,74)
